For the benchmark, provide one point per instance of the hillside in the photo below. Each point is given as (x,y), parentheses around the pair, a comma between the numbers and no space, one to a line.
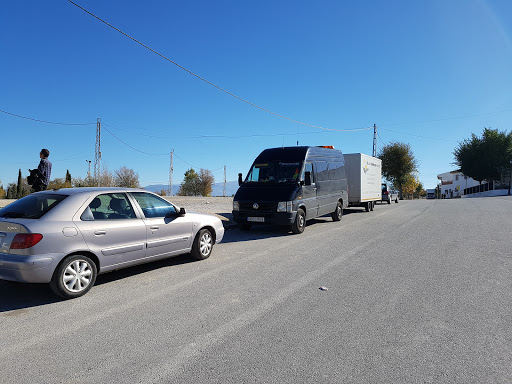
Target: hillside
(217,188)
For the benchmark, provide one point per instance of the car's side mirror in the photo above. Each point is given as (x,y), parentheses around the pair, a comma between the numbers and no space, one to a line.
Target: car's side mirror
(173,214)
(239,179)
(307,178)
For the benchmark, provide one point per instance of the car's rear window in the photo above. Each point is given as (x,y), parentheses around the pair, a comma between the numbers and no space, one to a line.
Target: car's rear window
(32,206)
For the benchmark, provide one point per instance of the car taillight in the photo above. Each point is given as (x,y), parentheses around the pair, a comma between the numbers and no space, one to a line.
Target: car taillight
(25,240)
(386,192)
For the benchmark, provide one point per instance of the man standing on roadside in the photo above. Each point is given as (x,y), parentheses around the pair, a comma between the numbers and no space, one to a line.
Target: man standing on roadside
(44,171)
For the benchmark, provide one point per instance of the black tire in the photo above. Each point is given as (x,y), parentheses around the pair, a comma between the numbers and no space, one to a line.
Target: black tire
(389,200)
(396,200)
(203,245)
(372,205)
(338,212)
(74,277)
(300,221)
(367,206)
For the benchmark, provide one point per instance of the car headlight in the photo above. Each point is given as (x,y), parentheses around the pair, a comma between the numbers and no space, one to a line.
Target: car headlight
(236,206)
(284,206)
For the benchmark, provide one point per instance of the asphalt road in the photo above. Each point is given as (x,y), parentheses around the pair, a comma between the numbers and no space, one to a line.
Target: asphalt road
(418,292)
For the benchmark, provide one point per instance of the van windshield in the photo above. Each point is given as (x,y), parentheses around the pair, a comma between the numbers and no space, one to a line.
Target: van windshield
(274,172)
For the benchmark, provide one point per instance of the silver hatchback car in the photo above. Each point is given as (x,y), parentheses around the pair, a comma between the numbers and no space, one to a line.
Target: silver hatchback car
(66,237)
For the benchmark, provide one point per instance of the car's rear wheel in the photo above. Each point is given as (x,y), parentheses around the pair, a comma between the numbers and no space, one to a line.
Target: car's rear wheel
(389,200)
(300,222)
(203,245)
(396,200)
(338,212)
(74,277)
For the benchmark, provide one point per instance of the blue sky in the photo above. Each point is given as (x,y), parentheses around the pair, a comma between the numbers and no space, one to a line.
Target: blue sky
(428,73)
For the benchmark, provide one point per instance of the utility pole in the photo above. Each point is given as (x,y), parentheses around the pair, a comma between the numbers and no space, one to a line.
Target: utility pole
(171,169)
(89,171)
(224,190)
(97,153)
(374,140)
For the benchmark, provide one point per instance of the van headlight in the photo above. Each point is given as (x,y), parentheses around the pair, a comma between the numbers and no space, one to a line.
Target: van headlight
(236,206)
(284,206)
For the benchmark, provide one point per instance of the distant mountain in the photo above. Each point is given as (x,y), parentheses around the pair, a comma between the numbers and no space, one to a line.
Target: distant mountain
(217,188)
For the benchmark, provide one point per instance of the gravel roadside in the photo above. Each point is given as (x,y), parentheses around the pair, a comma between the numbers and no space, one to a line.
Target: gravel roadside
(218,206)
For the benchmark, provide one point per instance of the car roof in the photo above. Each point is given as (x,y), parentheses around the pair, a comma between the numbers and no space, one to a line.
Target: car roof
(77,191)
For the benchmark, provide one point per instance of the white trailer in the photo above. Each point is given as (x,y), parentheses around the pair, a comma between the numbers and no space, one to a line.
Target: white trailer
(364,174)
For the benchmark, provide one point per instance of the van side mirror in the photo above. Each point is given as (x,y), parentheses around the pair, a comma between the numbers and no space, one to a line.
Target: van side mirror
(239,179)
(307,178)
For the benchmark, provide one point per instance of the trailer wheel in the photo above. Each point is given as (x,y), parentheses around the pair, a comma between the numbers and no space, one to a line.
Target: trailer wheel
(372,205)
(367,206)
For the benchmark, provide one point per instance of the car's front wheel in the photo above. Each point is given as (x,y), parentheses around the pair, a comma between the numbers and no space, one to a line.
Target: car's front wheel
(74,277)
(203,245)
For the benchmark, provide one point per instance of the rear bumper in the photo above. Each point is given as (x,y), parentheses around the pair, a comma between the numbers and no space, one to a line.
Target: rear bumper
(275,218)
(28,269)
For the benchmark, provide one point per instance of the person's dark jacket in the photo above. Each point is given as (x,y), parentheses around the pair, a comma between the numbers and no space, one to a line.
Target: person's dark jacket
(40,177)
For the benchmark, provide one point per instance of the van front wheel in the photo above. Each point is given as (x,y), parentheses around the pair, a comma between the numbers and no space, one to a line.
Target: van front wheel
(338,212)
(300,221)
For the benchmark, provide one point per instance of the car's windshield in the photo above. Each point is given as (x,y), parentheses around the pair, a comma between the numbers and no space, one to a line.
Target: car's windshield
(32,206)
(274,172)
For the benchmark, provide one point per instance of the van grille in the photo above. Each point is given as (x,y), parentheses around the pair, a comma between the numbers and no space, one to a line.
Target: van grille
(263,207)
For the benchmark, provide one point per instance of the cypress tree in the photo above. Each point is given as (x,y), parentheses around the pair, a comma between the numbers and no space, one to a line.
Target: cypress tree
(19,191)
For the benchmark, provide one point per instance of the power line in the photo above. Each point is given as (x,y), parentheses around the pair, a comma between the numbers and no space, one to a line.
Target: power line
(449,118)
(381,139)
(136,149)
(233,136)
(152,154)
(423,137)
(194,74)
(44,121)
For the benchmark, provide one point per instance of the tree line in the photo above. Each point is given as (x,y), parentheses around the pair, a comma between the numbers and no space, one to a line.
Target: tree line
(123,177)
(487,157)
(400,167)
(194,183)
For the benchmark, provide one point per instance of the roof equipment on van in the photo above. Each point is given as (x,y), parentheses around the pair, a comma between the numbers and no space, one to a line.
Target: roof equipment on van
(326,146)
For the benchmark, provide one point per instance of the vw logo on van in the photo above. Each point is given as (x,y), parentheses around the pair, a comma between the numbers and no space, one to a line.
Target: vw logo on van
(255,206)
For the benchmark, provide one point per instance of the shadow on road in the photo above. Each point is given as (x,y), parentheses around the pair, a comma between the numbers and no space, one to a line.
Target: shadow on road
(19,296)
(234,234)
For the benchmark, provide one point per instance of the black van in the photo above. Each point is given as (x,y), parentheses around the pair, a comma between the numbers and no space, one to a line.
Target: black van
(289,185)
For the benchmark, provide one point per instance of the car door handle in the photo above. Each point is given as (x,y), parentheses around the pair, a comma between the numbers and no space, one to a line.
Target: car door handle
(99,233)
(154,227)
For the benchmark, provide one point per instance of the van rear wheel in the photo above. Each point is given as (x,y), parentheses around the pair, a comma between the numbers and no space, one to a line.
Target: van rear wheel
(338,212)
(300,221)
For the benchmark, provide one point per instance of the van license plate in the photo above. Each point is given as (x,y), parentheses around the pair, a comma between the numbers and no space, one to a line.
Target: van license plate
(256,219)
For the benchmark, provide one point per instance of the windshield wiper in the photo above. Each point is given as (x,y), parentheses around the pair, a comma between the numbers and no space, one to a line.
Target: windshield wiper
(13,215)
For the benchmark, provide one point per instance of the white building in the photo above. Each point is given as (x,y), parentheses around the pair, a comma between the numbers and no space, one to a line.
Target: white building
(456,184)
